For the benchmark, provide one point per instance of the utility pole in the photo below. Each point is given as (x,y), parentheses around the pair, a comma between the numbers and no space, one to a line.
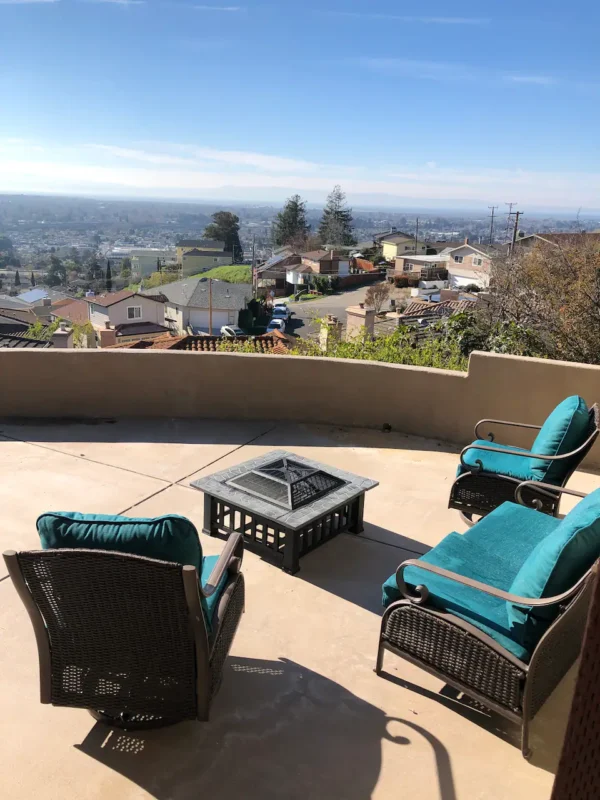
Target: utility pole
(210,307)
(515,230)
(492,209)
(510,211)
(417,239)
(254,275)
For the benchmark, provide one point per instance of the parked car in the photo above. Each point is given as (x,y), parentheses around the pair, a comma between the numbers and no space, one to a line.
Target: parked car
(232,330)
(281,311)
(276,324)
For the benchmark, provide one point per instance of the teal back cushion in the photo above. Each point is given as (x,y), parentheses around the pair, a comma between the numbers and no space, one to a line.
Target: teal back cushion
(554,565)
(565,430)
(168,538)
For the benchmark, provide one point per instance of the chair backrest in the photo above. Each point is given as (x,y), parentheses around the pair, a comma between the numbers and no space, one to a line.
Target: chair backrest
(566,430)
(120,629)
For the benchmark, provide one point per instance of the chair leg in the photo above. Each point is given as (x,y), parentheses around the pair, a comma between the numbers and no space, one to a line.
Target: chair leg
(379,661)
(467,518)
(525,749)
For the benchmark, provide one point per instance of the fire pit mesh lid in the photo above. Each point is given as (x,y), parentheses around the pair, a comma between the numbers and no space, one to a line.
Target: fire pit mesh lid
(287,483)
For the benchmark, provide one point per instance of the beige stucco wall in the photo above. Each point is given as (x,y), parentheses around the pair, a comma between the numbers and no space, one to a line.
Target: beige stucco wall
(191,265)
(414,400)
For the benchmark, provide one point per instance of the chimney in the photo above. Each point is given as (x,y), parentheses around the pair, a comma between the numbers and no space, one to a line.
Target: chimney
(331,331)
(46,302)
(360,322)
(108,336)
(466,240)
(62,338)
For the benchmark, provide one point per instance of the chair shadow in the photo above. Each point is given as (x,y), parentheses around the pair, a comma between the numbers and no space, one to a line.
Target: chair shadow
(277,729)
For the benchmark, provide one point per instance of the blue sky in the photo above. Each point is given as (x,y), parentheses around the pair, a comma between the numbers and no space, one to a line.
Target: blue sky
(441,101)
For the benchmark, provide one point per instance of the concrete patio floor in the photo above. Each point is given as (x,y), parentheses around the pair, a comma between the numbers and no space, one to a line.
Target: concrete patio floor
(301,713)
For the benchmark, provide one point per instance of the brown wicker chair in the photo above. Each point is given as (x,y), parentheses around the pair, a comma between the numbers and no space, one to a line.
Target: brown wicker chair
(466,658)
(125,636)
(477,492)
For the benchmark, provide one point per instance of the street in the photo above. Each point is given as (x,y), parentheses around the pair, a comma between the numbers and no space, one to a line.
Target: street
(302,322)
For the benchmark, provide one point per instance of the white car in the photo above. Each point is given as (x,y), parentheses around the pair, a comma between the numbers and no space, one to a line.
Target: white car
(232,330)
(276,325)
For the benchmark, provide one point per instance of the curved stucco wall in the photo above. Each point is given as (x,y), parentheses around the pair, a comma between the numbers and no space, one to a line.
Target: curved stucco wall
(414,400)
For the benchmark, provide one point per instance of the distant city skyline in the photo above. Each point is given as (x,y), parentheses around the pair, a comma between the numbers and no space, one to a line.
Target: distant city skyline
(251,102)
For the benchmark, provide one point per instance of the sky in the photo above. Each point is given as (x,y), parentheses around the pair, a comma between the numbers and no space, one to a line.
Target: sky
(434,104)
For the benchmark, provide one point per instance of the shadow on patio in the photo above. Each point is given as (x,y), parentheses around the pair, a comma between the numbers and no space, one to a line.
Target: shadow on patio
(278,729)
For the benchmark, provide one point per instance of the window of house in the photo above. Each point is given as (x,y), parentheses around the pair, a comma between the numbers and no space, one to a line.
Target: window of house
(407,267)
(407,246)
(458,259)
(477,262)
(216,260)
(134,312)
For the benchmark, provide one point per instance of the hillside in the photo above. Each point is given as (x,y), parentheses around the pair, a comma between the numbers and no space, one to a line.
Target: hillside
(235,273)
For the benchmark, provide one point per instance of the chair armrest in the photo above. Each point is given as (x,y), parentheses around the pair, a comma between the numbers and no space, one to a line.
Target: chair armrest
(503,422)
(544,488)
(526,453)
(232,552)
(423,593)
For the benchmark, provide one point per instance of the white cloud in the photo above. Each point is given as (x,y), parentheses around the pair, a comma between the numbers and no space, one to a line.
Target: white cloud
(24,2)
(538,80)
(228,9)
(407,19)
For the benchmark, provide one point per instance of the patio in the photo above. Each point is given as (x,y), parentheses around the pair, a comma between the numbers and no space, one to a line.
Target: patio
(300,713)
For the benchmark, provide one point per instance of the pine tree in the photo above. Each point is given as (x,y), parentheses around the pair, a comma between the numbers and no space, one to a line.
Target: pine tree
(225,227)
(17,278)
(290,224)
(336,223)
(108,276)
(32,279)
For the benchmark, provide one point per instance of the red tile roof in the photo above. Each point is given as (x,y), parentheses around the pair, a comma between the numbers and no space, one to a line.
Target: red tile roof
(277,343)
(365,265)
(76,311)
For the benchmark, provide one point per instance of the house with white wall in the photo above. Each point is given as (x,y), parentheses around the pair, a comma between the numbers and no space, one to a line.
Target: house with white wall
(470,264)
(188,303)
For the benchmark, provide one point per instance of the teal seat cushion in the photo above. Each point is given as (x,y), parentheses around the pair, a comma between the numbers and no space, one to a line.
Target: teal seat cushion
(557,562)
(466,557)
(167,538)
(499,462)
(564,430)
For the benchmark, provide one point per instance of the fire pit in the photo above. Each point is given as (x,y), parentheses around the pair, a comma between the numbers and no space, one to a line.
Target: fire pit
(285,505)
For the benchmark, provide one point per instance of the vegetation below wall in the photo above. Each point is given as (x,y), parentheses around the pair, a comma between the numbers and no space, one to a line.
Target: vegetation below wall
(236,273)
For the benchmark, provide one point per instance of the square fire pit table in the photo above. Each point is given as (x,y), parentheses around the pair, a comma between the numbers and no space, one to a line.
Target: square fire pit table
(284,505)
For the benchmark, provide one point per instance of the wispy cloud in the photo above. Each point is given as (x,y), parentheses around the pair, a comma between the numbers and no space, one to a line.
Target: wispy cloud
(24,2)
(118,2)
(228,9)
(538,80)
(421,70)
(408,19)
(154,171)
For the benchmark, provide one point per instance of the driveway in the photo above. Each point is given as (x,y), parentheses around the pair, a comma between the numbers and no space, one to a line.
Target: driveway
(303,323)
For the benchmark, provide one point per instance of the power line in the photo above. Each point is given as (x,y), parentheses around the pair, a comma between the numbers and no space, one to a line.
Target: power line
(510,211)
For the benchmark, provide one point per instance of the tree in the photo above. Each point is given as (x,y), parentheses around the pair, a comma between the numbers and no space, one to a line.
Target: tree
(94,270)
(336,223)
(126,268)
(17,278)
(225,227)
(57,273)
(6,245)
(290,224)
(109,283)
(377,295)
(32,279)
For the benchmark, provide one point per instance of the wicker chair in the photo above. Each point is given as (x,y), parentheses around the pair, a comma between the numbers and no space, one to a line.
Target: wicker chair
(466,658)
(125,636)
(476,491)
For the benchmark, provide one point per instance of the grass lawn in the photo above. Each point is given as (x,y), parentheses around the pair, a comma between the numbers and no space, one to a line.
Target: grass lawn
(236,273)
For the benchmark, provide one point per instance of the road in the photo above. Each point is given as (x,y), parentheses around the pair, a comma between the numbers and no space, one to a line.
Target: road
(302,321)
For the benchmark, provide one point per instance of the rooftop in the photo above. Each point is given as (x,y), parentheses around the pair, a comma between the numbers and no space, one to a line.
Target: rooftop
(194,292)
(299,698)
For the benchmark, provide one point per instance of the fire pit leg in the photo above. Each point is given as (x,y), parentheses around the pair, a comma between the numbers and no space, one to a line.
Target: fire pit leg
(291,557)
(356,515)
(210,524)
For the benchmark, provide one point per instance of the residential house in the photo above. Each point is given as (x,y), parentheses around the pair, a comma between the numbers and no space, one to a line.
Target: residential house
(145,261)
(196,260)
(318,262)
(13,320)
(187,303)
(183,246)
(11,340)
(470,264)
(397,244)
(126,313)
(272,274)
(420,266)
(557,239)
